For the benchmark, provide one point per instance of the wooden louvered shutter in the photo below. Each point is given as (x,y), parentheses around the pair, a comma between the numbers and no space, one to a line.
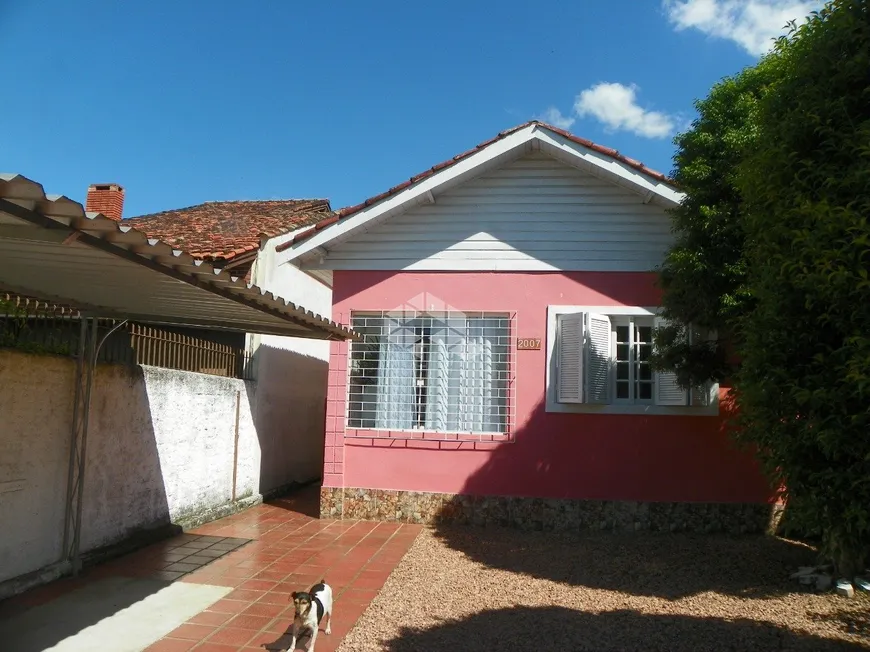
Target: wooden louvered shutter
(569,340)
(598,357)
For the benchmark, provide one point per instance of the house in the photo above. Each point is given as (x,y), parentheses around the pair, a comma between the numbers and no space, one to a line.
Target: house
(239,236)
(508,298)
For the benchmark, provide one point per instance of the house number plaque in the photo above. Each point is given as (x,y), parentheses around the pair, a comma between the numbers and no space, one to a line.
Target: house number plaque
(528,343)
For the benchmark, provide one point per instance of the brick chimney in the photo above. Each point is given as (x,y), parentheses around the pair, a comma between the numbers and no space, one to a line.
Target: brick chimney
(106,198)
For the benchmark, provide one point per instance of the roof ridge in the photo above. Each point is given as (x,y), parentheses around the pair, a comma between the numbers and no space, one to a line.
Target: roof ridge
(171,210)
(265,201)
(213,202)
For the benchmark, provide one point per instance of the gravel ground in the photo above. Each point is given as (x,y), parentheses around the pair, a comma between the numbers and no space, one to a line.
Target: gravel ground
(494,589)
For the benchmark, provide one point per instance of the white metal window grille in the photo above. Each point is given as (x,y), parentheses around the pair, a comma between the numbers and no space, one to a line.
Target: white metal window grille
(444,373)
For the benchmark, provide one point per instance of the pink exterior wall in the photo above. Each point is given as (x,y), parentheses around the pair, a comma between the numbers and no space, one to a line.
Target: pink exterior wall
(605,457)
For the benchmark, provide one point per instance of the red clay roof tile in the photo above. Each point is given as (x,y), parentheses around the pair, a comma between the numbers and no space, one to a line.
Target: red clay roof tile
(350,210)
(222,230)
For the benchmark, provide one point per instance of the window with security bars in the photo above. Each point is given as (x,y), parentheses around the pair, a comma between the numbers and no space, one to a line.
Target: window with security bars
(605,359)
(437,372)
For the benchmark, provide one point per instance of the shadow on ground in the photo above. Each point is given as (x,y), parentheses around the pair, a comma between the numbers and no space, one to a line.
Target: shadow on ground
(302,500)
(664,565)
(636,555)
(853,619)
(45,626)
(282,643)
(557,628)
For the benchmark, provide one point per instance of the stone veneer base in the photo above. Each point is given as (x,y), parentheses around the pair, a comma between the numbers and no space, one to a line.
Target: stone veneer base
(547,514)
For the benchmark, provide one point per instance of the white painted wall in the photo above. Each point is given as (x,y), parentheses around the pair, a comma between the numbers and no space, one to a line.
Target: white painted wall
(160,450)
(534,214)
(292,373)
(36,403)
(288,281)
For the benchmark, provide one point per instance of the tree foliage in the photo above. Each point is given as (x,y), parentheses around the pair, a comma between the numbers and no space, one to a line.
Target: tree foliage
(803,386)
(773,250)
(703,278)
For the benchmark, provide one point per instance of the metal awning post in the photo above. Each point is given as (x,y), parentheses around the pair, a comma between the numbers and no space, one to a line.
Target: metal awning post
(89,348)
(73,445)
(78,442)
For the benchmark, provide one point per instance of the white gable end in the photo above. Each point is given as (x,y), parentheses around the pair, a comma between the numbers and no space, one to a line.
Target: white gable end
(534,214)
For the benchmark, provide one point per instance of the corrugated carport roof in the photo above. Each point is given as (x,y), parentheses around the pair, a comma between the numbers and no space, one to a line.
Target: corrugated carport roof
(50,247)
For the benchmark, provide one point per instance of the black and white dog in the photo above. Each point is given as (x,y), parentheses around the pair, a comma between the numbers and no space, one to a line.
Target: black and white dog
(312,606)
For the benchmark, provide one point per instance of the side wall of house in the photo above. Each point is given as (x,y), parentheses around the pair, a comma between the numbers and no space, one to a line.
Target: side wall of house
(291,378)
(629,459)
(161,448)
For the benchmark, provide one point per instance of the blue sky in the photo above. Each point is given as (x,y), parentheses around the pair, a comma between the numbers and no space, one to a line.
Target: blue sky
(183,102)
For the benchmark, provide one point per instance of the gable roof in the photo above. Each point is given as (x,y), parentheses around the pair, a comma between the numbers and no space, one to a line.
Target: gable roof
(222,230)
(657,178)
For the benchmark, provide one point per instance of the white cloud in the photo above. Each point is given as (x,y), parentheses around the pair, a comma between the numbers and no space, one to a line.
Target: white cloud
(752,24)
(554,117)
(616,106)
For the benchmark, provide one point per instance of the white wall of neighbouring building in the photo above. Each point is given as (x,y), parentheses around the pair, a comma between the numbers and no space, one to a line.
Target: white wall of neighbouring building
(291,371)
(161,449)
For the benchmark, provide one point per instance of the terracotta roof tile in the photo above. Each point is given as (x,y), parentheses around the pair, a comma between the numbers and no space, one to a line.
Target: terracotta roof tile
(222,230)
(350,210)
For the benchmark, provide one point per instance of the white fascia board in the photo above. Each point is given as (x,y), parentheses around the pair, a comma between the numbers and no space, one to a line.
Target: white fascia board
(412,196)
(592,161)
(281,238)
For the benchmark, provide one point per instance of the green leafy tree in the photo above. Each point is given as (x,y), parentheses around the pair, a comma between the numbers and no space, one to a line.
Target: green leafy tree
(773,251)
(703,278)
(803,386)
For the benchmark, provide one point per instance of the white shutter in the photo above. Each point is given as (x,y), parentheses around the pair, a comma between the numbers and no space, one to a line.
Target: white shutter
(598,357)
(569,339)
(667,391)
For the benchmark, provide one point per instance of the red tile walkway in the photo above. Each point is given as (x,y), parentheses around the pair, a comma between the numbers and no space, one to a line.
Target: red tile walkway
(290,550)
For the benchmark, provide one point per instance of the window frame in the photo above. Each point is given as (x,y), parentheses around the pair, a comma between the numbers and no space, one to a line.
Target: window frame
(617,315)
(418,432)
(631,321)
